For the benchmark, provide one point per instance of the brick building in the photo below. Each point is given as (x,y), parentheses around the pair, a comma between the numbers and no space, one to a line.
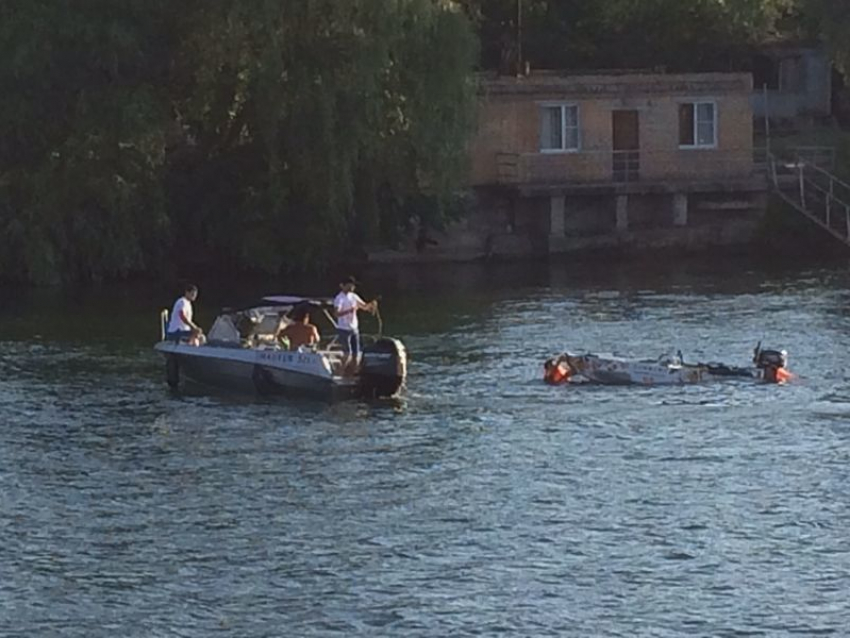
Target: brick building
(566,162)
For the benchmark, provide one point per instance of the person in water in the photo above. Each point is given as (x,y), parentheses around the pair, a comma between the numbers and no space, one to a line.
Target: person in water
(181,326)
(300,332)
(556,370)
(346,305)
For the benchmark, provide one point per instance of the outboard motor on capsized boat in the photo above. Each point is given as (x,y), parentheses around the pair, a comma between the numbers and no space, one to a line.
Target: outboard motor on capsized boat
(773,363)
(383,368)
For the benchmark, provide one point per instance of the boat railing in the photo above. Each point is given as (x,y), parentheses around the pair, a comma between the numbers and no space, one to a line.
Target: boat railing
(163,324)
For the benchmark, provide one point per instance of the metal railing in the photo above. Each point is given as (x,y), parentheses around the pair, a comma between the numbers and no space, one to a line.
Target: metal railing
(820,156)
(814,192)
(625,166)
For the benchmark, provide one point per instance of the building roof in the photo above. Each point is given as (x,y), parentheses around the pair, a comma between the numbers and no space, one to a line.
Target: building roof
(542,83)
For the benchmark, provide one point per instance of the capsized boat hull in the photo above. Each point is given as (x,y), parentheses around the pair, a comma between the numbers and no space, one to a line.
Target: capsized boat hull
(615,370)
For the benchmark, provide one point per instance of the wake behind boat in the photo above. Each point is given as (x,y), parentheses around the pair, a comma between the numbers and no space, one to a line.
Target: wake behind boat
(767,365)
(243,352)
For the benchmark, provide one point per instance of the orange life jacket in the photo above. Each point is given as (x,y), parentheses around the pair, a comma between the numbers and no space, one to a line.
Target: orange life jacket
(556,373)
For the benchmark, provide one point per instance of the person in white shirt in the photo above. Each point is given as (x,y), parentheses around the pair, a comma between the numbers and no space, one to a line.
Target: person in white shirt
(346,305)
(180,325)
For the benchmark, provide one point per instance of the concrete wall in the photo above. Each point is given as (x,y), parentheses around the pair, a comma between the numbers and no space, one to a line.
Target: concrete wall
(509,227)
(649,212)
(589,215)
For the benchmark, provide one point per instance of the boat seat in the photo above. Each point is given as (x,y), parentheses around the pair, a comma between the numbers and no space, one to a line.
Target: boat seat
(224,331)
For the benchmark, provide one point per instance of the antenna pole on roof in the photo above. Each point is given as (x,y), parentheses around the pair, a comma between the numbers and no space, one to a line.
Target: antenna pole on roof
(766,121)
(518,38)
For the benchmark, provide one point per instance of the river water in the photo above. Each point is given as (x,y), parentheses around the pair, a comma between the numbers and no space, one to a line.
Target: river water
(481,503)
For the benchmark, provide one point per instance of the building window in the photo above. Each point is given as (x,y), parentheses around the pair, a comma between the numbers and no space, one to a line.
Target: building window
(558,128)
(697,125)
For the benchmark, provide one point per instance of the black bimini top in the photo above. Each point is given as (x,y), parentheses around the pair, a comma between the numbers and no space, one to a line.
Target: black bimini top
(293,301)
(284,304)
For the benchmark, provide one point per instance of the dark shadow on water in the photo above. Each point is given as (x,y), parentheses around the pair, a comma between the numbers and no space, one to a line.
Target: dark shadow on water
(236,398)
(411,294)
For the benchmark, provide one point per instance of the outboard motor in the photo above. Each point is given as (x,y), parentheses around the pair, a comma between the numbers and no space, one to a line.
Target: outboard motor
(773,363)
(383,368)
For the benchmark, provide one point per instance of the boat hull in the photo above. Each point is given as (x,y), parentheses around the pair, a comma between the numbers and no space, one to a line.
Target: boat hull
(264,372)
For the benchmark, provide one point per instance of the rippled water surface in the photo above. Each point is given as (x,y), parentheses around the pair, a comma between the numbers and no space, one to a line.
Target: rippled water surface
(482,503)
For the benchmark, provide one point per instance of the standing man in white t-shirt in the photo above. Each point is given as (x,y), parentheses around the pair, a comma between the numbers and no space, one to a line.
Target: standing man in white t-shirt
(346,305)
(180,325)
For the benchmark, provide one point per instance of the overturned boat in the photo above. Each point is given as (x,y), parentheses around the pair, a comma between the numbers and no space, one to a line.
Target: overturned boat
(243,352)
(769,366)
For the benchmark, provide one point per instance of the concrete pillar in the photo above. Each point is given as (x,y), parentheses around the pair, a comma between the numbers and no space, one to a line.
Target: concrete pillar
(556,216)
(622,213)
(680,209)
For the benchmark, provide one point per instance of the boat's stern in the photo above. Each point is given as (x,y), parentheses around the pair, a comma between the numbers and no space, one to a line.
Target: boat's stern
(384,368)
(165,347)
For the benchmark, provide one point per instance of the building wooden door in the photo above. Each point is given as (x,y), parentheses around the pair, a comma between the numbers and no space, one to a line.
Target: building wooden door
(626,156)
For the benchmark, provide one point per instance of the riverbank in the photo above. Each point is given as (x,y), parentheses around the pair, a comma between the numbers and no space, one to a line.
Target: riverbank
(777,229)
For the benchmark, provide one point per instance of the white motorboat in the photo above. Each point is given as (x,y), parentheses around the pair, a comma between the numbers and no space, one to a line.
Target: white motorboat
(242,352)
(767,365)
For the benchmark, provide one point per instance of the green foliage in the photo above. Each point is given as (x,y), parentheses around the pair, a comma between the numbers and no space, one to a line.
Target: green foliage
(319,107)
(82,126)
(232,134)
(831,20)
(686,35)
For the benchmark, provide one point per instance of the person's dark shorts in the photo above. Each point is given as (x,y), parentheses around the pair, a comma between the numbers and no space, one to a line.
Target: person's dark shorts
(349,340)
(179,335)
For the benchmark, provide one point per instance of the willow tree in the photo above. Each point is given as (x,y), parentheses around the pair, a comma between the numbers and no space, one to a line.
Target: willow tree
(313,123)
(831,19)
(82,124)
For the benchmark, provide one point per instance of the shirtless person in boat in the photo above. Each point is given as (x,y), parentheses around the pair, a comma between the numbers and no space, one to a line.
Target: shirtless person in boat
(300,332)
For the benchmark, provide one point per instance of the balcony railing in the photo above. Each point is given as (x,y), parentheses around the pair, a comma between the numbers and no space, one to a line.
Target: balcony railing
(619,167)
(625,166)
